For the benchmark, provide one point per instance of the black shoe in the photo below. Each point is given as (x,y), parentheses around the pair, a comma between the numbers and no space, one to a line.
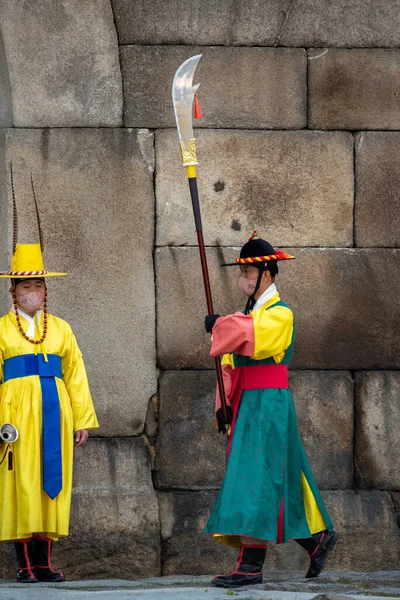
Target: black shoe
(26,572)
(42,549)
(326,543)
(25,576)
(248,570)
(234,580)
(46,574)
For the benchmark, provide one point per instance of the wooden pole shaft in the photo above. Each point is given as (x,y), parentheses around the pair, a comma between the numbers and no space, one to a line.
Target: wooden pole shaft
(206,279)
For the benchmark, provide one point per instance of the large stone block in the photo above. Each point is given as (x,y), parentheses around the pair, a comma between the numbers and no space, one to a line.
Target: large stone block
(115,530)
(259,22)
(205,22)
(367,525)
(325,410)
(365,24)
(377,215)
(63,63)
(347,86)
(295,188)
(95,195)
(115,518)
(377,449)
(341,319)
(186,549)
(365,520)
(240,87)
(191,455)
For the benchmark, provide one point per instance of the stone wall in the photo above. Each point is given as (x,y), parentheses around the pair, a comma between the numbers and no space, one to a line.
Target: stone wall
(300,139)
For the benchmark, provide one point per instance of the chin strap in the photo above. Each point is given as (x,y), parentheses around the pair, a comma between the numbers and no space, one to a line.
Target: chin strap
(251,301)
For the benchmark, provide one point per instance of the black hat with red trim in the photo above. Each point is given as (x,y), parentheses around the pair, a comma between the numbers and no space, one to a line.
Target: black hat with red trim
(257,253)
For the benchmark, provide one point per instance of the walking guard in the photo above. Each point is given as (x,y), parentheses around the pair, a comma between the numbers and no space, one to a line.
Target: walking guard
(269,491)
(45,400)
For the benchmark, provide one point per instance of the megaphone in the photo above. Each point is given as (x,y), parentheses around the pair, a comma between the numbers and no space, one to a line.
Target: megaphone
(8,433)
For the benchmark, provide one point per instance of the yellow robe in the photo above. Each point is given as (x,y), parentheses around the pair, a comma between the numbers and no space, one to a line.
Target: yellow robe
(24,507)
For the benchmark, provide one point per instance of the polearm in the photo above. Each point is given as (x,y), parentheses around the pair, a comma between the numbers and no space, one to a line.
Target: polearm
(182,97)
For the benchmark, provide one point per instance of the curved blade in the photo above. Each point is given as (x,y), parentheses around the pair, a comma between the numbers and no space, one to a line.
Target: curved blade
(182,97)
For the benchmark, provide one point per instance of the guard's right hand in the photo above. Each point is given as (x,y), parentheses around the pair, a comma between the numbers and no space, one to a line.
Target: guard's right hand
(223,424)
(209,322)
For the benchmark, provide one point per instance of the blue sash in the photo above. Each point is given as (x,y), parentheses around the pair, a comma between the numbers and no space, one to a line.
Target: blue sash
(27,365)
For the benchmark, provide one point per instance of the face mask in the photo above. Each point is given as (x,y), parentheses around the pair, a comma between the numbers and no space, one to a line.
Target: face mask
(247,286)
(31,301)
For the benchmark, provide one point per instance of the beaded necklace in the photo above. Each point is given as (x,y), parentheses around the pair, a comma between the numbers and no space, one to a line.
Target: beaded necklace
(29,339)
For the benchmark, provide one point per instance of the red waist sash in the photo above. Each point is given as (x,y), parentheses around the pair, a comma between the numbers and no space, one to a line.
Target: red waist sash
(263,376)
(252,378)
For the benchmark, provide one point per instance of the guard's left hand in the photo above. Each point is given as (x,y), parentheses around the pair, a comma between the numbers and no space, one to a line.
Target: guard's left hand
(81,437)
(224,424)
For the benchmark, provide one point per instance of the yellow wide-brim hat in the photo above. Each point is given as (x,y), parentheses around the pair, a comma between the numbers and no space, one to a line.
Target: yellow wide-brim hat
(27,263)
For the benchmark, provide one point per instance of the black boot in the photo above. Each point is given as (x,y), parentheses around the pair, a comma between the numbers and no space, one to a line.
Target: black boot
(248,570)
(26,571)
(318,547)
(44,569)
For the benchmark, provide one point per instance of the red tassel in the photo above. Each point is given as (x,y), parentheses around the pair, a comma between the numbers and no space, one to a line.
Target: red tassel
(197,114)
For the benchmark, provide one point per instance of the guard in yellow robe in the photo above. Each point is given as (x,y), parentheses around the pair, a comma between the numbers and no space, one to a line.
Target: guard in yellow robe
(45,398)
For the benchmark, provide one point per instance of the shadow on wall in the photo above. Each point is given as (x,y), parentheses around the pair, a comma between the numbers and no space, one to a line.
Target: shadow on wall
(5,255)
(6,116)
(6,119)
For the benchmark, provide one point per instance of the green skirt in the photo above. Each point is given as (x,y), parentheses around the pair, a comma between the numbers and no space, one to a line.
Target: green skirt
(269,491)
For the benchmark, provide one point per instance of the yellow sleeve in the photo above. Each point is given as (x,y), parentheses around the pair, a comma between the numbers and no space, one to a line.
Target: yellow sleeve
(227,359)
(76,382)
(273,332)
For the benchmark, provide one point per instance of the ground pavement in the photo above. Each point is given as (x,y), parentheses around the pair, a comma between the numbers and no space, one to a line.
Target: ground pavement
(332,585)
